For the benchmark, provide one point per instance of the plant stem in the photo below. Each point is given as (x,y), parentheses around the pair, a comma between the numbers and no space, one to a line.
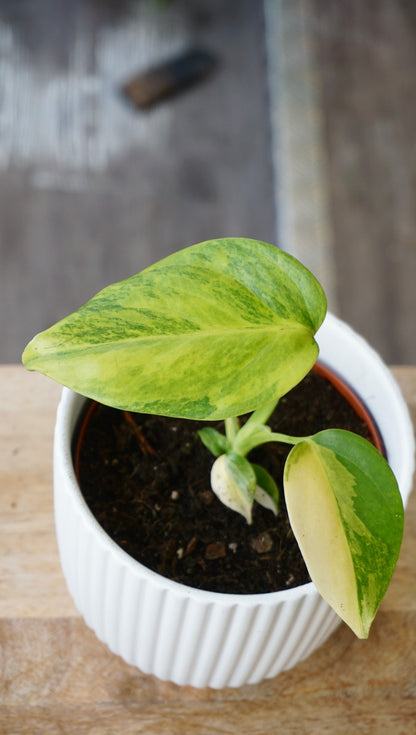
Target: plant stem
(286,439)
(232,426)
(261,415)
(245,440)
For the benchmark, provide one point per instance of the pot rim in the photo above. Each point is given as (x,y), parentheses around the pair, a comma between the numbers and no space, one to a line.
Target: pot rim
(67,416)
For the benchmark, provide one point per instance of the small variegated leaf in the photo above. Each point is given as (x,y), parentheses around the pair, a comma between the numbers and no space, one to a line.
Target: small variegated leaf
(346,512)
(267,492)
(233,480)
(214,441)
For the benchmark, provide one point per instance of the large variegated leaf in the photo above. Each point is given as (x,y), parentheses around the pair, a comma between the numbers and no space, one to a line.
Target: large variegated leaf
(212,331)
(347,515)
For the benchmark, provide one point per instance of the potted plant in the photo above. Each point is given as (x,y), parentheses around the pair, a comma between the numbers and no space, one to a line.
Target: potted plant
(219,330)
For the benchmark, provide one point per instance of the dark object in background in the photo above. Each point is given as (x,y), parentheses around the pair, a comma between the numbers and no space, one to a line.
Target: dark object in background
(169,78)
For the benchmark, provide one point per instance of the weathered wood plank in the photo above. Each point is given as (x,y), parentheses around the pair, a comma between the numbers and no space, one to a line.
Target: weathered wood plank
(61,678)
(366,56)
(91,190)
(30,578)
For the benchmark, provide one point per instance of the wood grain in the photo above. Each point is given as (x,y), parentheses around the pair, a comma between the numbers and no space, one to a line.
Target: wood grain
(58,679)
(26,504)
(91,190)
(365,55)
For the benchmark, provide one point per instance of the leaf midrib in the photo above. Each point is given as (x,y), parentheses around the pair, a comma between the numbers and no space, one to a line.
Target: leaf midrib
(197,335)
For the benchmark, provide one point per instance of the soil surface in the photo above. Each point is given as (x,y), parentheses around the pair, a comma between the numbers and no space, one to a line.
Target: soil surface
(146,480)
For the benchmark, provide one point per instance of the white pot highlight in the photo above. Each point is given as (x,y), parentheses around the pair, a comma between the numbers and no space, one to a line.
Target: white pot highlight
(196,637)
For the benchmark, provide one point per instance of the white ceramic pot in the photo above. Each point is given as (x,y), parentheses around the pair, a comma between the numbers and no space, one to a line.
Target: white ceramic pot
(196,637)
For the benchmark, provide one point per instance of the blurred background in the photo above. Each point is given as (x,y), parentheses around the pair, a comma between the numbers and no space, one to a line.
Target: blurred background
(303,133)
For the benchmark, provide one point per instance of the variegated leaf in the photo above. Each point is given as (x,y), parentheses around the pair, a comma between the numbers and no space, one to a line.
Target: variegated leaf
(233,480)
(212,331)
(347,515)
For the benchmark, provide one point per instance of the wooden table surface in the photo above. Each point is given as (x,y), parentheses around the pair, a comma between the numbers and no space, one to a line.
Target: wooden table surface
(57,678)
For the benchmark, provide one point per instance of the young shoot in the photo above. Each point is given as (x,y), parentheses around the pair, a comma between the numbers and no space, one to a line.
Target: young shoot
(235,480)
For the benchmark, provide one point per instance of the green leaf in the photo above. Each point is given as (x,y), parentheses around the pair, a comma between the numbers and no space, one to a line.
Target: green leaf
(346,512)
(267,492)
(214,441)
(234,482)
(212,331)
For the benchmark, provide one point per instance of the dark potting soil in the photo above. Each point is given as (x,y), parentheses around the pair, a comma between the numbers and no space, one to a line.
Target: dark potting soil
(146,480)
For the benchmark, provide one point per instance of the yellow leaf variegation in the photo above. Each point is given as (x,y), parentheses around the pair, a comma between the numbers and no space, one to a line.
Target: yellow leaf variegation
(346,512)
(212,331)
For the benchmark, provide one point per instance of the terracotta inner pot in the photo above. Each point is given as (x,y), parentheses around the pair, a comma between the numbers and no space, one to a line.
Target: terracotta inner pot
(357,404)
